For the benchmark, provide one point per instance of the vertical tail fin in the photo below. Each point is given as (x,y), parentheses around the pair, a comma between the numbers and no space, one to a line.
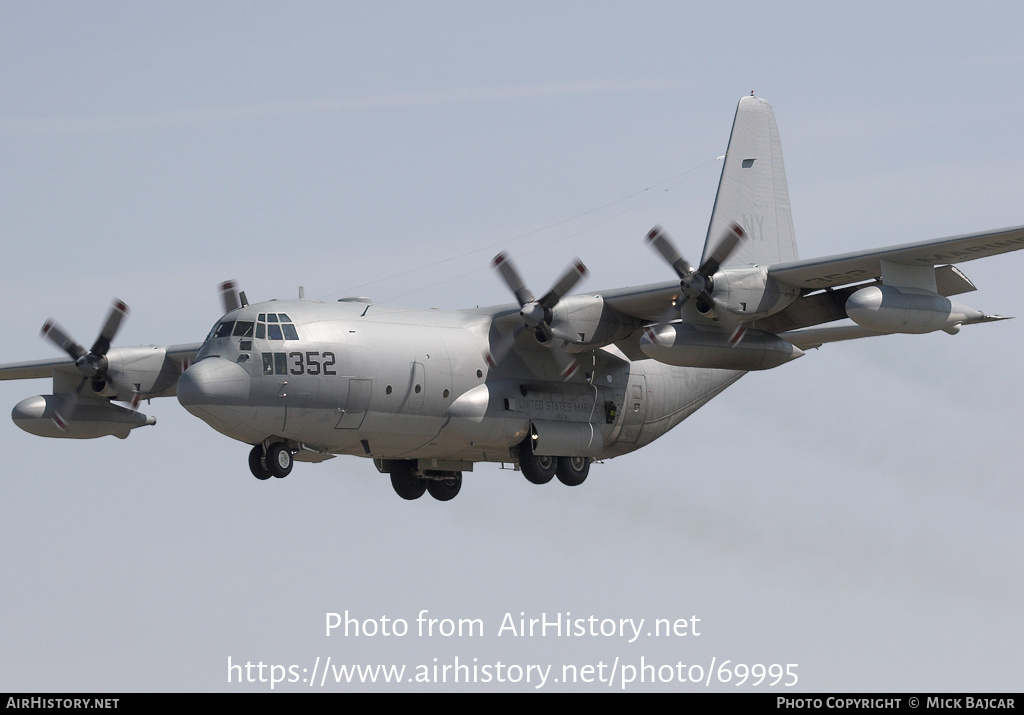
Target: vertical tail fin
(752,191)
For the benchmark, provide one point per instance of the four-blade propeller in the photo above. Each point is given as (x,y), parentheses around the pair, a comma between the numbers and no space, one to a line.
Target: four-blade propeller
(536,314)
(92,363)
(696,284)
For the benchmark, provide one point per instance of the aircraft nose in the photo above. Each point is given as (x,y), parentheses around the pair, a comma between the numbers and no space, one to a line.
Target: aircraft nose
(214,390)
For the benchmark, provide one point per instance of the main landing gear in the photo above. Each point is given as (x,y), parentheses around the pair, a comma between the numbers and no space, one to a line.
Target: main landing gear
(539,468)
(410,483)
(273,461)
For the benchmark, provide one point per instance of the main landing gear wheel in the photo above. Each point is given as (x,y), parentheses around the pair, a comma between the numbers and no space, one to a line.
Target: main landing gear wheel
(279,460)
(407,483)
(445,489)
(256,466)
(572,471)
(536,468)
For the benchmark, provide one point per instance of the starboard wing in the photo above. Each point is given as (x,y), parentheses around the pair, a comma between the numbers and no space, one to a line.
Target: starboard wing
(843,269)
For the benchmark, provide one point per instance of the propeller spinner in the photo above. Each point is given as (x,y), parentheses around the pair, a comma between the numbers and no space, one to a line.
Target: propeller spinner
(536,314)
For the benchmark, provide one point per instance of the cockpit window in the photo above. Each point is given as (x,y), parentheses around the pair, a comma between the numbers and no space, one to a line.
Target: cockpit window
(243,329)
(278,326)
(224,329)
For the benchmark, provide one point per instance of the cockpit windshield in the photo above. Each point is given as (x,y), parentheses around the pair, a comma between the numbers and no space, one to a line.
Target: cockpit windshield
(268,326)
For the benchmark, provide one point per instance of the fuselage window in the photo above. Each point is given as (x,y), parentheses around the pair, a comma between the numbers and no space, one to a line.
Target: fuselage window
(280,364)
(268,363)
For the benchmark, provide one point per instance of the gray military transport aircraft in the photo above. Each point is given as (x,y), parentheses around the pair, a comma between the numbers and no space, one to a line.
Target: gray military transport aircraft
(549,384)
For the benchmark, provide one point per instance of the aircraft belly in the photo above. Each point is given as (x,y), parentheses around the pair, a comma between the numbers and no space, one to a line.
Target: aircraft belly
(673,394)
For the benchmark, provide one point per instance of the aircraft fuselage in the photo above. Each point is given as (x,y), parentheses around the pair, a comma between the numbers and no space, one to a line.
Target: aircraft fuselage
(412,384)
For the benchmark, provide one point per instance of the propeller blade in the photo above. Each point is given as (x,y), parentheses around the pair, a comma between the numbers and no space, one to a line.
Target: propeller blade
(544,333)
(564,284)
(229,296)
(736,336)
(565,363)
(117,312)
(62,417)
(722,250)
(660,242)
(672,313)
(58,337)
(503,264)
(502,347)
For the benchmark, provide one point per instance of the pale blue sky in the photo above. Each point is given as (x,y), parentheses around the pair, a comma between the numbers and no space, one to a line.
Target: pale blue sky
(855,512)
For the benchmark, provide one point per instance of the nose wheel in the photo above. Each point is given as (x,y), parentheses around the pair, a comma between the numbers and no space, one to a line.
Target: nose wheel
(273,461)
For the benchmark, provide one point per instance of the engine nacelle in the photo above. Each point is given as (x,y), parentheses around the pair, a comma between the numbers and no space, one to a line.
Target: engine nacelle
(885,309)
(44,415)
(137,371)
(749,293)
(584,322)
(687,346)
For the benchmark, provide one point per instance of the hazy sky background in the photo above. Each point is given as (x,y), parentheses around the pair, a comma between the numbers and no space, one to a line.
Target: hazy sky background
(856,512)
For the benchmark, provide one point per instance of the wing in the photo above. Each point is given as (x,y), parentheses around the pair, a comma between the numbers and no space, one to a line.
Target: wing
(824,285)
(81,407)
(133,374)
(34,369)
(866,265)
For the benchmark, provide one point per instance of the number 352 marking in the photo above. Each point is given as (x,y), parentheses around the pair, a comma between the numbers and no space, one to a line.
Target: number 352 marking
(311,363)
